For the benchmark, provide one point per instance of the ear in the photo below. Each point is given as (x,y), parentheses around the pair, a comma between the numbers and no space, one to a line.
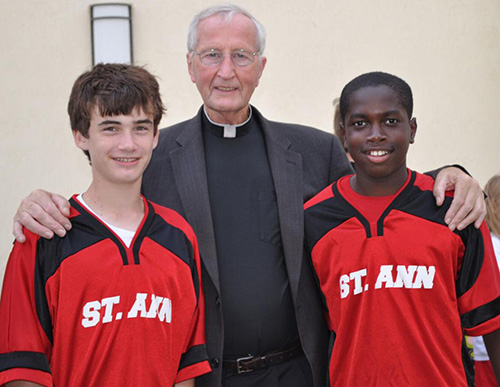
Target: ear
(189,59)
(342,138)
(413,130)
(262,65)
(81,141)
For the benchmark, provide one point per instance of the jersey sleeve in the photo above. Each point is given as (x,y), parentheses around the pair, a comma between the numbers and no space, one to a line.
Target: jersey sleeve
(478,283)
(24,345)
(194,361)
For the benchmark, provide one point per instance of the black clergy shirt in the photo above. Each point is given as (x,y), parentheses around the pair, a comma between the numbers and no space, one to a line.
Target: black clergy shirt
(257,304)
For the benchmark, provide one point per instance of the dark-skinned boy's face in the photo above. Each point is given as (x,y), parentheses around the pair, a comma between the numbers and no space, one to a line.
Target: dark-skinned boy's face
(378,132)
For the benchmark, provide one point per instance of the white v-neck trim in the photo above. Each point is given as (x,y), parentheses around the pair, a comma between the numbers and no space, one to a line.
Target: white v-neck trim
(125,235)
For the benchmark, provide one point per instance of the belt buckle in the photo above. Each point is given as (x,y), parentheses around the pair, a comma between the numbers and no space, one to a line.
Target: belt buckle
(239,365)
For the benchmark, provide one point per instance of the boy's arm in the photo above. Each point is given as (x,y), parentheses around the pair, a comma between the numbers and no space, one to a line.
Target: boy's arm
(185,383)
(24,342)
(492,342)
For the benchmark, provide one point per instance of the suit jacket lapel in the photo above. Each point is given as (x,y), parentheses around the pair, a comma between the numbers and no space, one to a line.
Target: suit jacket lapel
(286,169)
(188,162)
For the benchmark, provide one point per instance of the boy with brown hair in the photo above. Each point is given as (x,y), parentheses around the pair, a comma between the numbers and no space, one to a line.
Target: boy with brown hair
(118,301)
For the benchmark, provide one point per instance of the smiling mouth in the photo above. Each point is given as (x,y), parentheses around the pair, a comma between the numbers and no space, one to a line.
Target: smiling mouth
(378,153)
(226,88)
(125,159)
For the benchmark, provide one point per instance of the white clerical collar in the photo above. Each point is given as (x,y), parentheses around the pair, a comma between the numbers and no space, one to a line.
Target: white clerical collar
(229,130)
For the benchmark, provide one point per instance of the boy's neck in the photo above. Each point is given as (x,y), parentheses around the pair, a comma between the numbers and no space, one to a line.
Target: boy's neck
(378,186)
(119,205)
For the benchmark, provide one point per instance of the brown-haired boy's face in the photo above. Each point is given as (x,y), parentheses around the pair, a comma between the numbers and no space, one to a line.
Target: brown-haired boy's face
(378,132)
(120,147)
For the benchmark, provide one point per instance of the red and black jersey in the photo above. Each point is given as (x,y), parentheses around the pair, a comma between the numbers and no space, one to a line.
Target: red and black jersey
(400,287)
(85,310)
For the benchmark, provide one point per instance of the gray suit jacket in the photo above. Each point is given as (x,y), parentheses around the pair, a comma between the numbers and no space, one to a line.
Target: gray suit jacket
(303,160)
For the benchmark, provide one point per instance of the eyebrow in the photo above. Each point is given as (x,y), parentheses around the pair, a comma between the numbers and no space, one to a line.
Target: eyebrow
(357,115)
(386,113)
(391,112)
(144,121)
(111,122)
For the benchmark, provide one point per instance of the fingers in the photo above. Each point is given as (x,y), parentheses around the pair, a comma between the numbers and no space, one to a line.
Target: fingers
(43,214)
(439,190)
(18,232)
(481,203)
(468,205)
(456,212)
(63,206)
(31,220)
(476,215)
(447,179)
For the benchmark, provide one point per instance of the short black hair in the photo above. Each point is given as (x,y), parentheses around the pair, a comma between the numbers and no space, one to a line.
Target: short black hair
(373,79)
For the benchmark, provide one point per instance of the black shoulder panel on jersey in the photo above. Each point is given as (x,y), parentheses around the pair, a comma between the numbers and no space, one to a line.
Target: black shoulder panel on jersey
(414,201)
(329,214)
(422,204)
(482,314)
(473,259)
(196,354)
(174,240)
(93,229)
(52,252)
(24,359)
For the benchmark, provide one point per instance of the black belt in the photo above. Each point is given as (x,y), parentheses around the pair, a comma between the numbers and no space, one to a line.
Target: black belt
(255,363)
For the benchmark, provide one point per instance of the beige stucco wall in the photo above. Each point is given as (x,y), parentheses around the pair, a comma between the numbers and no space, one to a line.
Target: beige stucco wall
(448,50)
